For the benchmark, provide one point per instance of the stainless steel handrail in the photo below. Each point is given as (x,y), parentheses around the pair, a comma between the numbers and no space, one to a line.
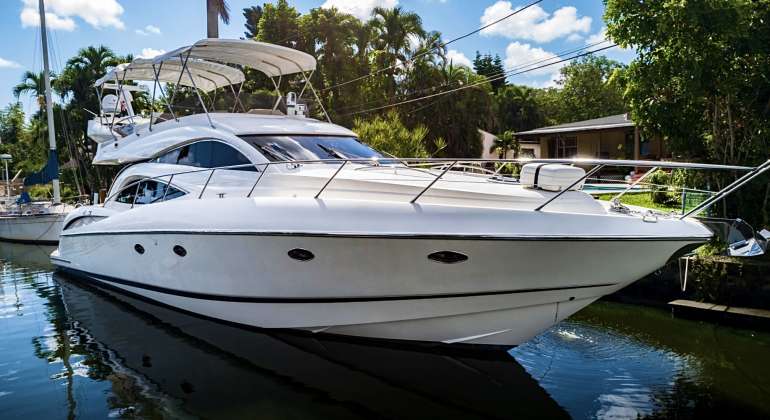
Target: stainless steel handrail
(598,164)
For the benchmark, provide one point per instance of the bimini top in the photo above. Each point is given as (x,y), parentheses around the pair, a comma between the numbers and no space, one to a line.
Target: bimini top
(272,60)
(206,75)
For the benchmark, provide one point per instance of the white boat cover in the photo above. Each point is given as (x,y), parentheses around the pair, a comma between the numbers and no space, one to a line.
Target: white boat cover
(206,75)
(272,60)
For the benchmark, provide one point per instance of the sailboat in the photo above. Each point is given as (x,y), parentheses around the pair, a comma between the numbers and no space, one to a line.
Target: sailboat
(38,222)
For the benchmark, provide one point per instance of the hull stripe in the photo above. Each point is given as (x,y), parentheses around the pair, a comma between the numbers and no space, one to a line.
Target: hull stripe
(400,236)
(222,298)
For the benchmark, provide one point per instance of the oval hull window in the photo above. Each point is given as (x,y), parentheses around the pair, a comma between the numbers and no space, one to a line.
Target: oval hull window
(448,257)
(139,249)
(179,250)
(300,254)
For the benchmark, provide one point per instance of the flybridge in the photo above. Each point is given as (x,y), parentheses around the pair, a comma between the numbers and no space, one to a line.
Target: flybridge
(205,66)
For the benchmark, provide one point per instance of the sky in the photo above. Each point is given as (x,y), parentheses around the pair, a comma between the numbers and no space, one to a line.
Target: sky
(147,27)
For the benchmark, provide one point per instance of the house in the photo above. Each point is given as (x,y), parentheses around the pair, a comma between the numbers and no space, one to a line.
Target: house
(613,137)
(527,150)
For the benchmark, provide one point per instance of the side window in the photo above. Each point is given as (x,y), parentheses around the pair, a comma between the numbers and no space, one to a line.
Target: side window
(205,154)
(126,196)
(225,155)
(149,192)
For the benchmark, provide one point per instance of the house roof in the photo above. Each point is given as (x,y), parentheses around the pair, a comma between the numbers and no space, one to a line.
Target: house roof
(603,123)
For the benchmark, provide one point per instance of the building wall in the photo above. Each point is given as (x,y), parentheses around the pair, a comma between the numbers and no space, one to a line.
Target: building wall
(607,144)
(488,140)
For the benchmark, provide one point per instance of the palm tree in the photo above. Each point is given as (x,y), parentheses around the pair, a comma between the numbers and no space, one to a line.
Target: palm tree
(82,70)
(216,9)
(504,143)
(395,30)
(31,84)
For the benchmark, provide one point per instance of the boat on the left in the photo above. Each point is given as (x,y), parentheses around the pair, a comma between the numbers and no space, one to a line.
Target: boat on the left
(22,220)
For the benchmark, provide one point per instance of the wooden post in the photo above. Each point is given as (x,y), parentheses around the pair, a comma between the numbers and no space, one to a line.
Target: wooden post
(637,144)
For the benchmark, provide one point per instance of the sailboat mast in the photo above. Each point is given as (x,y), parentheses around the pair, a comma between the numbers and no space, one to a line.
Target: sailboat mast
(49,102)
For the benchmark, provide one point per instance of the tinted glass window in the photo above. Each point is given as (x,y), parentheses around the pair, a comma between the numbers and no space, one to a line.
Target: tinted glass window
(148,192)
(279,148)
(206,154)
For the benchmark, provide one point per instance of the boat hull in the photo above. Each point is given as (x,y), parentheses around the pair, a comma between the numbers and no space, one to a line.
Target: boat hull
(506,292)
(32,229)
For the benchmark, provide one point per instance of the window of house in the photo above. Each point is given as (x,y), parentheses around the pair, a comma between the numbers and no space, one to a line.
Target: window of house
(568,147)
(206,154)
(527,153)
(148,192)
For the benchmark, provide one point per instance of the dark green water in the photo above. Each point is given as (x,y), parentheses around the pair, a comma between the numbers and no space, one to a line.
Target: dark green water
(71,351)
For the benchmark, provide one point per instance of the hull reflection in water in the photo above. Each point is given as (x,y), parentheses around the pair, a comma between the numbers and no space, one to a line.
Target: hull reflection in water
(214,370)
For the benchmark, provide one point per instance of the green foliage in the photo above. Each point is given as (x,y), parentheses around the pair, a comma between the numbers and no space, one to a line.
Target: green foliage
(491,68)
(662,190)
(518,109)
(252,15)
(700,81)
(278,24)
(504,143)
(388,134)
(588,90)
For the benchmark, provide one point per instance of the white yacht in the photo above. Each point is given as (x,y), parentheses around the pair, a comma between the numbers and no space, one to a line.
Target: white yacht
(276,220)
(25,221)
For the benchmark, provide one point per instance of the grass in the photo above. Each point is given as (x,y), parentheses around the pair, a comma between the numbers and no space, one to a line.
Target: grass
(641,199)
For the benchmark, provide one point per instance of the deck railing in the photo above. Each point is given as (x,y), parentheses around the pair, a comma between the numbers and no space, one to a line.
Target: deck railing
(439,167)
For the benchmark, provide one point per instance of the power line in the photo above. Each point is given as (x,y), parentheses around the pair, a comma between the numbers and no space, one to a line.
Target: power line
(518,67)
(429,50)
(502,76)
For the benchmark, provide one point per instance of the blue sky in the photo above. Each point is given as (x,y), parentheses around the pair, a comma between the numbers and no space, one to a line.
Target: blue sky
(148,26)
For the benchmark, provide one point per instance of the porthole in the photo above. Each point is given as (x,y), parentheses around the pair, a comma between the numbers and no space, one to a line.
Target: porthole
(448,257)
(179,250)
(300,254)
(139,249)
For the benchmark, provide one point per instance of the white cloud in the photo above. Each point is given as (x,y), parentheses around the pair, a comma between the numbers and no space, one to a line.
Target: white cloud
(597,37)
(533,23)
(8,64)
(575,38)
(523,57)
(59,13)
(361,9)
(458,59)
(31,18)
(150,53)
(149,30)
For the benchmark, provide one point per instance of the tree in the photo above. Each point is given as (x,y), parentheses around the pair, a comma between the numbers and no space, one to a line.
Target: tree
(588,89)
(11,123)
(388,134)
(518,109)
(279,24)
(491,68)
(395,30)
(215,10)
(504,143)
(331,34)
(700,81)
(32,84)
(252,15)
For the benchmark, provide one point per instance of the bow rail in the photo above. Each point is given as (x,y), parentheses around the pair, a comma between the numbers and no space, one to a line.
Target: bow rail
(441,166)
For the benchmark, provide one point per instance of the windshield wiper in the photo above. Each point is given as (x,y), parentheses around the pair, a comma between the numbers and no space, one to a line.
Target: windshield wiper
(272,152)
(332,152)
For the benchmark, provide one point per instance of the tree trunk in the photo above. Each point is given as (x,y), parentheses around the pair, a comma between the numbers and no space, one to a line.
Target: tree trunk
(730,129)
(212,20)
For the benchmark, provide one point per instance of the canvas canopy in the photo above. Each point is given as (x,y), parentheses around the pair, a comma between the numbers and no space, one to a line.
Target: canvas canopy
(206,75)
(272,60)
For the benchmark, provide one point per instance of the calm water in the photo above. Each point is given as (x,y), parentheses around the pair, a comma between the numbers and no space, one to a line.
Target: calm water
(71,351)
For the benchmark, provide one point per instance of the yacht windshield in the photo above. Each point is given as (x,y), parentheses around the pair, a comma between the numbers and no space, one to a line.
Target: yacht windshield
(286,148)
